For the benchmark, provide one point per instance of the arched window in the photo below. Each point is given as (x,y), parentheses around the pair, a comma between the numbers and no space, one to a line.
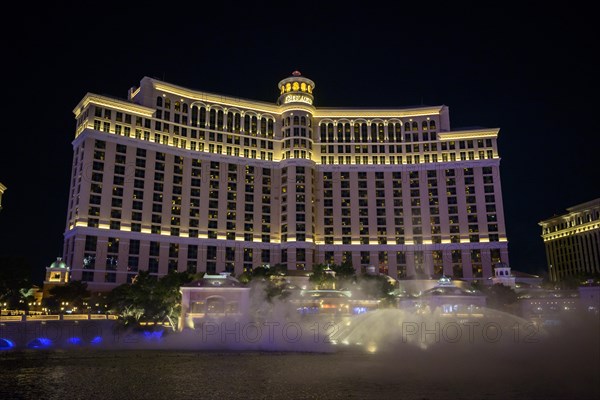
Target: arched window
(303,121)
(220,119)
(159,101)
(323,133)
(270,128)
(357,132)
(229,121)
(287,121)
(296,120)
(202,117)
(167,103)
(415,126)
(380,132)
(177,106)
(254,124)
(364,132)
(185,108)
(373,132)
(347,136)
(432,125)
(247,123)
(398,130)
(238,122)
(407,126)
(263,126)
(424,125)
(212,119)
(330,132)
(194,116)
(340,132)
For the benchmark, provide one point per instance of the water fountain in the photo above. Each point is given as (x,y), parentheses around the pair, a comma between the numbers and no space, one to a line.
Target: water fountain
(426,328)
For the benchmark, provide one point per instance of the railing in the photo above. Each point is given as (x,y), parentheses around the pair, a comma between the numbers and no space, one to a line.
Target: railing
(56,317)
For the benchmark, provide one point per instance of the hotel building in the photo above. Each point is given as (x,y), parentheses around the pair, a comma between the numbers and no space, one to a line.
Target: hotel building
(178,179)
(572,241)
(2,190)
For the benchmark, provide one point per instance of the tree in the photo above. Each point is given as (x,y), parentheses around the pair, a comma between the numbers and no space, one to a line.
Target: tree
(149,299)
(15,284)
(376,287)
(345,274)
(75,293)
(500,296)
(321,277)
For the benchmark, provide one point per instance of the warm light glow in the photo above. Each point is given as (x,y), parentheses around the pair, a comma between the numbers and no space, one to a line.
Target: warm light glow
(292,98)
(112,103)
(386,113)
(470,134)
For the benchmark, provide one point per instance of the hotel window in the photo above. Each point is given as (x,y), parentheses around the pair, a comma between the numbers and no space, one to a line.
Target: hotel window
(401,264)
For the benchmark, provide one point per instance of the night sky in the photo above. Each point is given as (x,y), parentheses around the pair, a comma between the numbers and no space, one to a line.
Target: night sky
(526,70)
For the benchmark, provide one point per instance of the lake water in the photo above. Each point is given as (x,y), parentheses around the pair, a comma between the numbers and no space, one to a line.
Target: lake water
(407,373)
(562,365)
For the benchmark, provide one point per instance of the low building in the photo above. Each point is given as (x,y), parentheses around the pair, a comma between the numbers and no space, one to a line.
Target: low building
(213,296)
(524,280)
(516,280)
(589,297)
(330,302)
(445,295)
(549,307)
(298,278)
(417,286)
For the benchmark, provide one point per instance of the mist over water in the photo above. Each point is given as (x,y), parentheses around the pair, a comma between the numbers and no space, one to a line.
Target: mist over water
(561,365)
(278,352)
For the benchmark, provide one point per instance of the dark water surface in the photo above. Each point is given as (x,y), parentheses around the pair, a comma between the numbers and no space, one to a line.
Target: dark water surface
(530,372)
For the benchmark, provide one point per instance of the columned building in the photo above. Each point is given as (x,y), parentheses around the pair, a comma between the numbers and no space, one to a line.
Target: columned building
(2,189)
(572,241)
(173,178)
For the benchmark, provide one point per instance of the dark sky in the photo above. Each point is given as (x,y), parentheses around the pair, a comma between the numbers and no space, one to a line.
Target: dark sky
(527,70)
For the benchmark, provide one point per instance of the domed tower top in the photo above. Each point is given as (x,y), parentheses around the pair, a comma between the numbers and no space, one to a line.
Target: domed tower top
(296,89)
(59,263)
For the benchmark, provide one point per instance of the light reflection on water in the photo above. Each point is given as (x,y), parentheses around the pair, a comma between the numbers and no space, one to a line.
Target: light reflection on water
(406,373)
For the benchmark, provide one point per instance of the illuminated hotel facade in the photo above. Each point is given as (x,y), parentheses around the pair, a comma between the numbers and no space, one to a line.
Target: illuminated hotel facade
(178,179)
(572,241)
(2,189)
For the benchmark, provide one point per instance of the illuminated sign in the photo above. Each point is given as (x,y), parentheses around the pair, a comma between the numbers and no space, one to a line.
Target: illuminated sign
(292,98)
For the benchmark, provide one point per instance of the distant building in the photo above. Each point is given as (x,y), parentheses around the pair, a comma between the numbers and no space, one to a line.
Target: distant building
(516,280)
(503,276)
(572,241)
(589,297)
(549,307)
(56,274)
(2,190)
(173,178)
